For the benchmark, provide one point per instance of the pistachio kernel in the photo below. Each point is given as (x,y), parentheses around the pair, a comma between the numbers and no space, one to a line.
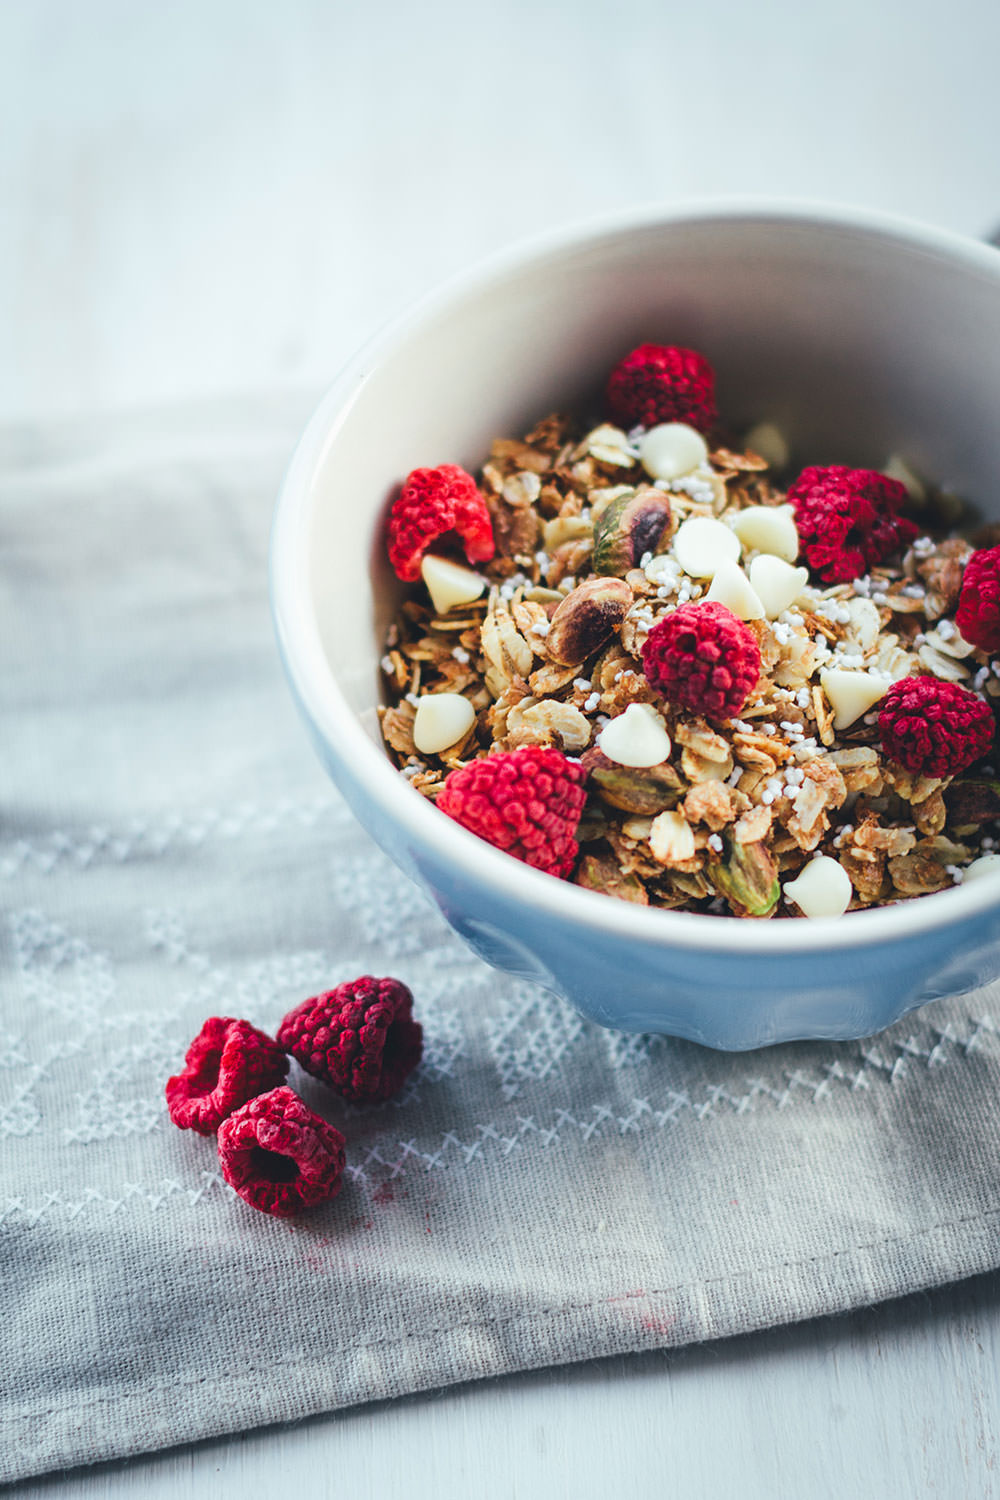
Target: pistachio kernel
(586,618)
(627,529)
(747,876)
(644,791)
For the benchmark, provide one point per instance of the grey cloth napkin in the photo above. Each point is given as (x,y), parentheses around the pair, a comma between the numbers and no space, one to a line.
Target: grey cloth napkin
(543,1191)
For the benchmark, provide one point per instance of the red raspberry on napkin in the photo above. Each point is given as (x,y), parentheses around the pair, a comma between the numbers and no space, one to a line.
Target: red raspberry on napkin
(228,1063)
(360,1038)
(280,1155)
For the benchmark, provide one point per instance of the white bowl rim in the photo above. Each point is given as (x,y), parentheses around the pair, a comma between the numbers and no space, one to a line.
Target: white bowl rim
(323,701)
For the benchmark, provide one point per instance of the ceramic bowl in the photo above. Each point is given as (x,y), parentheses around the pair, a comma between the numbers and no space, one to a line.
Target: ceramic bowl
(860,336)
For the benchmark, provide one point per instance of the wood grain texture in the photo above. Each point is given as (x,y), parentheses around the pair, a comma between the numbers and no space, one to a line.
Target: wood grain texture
(899,1400)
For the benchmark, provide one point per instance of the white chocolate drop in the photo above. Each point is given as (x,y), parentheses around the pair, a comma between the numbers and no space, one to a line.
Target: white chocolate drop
(671,450)
(985,865)
(851,694)
(442,719)
(822,890)
(777,583)
(896,467)
(731,587)
(449,584)
(701,544)
(638,737)
(770,442)
(769,528)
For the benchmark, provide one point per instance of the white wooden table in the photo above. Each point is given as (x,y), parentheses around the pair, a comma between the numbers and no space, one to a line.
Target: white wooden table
(218,195)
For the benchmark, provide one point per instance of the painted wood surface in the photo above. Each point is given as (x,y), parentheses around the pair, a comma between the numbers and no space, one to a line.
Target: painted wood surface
(218,195)
(895,1401)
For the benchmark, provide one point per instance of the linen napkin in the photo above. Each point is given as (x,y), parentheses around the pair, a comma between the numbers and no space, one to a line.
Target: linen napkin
(542,1191)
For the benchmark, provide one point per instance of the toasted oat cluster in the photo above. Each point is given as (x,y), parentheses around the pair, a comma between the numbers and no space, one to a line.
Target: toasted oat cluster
(754,699)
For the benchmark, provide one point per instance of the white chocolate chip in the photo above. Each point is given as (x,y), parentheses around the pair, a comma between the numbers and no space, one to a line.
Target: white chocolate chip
(672,449)
(638,737)
(442,719)
(896,467)
(822,890)
(701,544)
(449,584)
(986,864)
(851,694)
(770,442)
(769,528)
(777,583)
(731,587)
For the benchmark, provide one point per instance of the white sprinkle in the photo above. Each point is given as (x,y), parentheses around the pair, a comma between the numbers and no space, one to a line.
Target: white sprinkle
(387,665)
(591,703)
(460,654)
(715,842)
(542,629)
(583,683)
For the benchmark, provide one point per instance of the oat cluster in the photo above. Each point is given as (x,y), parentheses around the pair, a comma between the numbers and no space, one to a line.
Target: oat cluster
(551,654)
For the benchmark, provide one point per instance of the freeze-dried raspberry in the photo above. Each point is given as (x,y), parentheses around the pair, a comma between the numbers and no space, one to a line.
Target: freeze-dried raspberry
(703,658)
(661,383)
(280,1155)
(848,520)
(228,1063)
(431,503)
(978,613)
(527,802)
(360,1038)
(934,728)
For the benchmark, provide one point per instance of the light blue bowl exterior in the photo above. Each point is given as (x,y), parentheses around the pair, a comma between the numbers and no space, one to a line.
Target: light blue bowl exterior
(722,983)
(730,1001)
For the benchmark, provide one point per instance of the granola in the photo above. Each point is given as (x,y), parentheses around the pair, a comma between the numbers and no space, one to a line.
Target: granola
(544,645)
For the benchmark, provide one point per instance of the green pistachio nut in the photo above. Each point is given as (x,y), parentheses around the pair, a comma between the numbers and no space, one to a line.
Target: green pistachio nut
(586,619)
(746,875)
(630,527)
(645,791)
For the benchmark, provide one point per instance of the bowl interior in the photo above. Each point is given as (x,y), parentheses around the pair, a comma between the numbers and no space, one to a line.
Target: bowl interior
(857,340)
